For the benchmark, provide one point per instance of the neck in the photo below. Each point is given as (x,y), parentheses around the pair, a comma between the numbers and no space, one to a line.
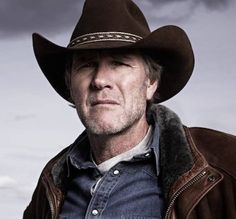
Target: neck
(105,147)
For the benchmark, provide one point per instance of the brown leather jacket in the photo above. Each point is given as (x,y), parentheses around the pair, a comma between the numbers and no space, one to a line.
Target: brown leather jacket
(198,172)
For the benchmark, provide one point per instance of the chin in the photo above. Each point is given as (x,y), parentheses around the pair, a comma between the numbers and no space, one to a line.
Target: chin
(103,128)
(109,123)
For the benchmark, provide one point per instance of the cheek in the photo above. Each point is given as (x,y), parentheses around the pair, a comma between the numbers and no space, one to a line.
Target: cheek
(135,84)
(78,90)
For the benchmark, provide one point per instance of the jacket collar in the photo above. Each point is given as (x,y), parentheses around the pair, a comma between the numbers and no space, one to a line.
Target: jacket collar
(175,153)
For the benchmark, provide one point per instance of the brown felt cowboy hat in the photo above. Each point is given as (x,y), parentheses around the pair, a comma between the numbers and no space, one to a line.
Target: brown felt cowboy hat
(107,24)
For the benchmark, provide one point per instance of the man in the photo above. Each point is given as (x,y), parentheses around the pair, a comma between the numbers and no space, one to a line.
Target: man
(135,159)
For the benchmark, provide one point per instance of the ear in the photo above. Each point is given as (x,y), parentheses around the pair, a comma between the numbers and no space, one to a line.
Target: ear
(151,88)
(71,95)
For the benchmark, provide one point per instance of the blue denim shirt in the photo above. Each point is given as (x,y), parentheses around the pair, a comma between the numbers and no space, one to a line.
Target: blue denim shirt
(129,190)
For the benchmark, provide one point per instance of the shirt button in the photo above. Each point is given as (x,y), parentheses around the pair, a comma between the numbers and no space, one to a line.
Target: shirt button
(94,212)
(116,172)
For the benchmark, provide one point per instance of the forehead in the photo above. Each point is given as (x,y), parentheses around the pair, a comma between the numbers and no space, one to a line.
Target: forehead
(113,53)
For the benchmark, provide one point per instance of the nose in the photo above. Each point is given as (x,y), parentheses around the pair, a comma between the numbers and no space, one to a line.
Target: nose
(102,76)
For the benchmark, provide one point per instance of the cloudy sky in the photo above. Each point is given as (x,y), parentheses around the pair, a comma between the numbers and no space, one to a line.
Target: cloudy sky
(36,123)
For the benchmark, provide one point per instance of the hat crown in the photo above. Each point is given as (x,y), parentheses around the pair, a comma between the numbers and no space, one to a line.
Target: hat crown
(111,16)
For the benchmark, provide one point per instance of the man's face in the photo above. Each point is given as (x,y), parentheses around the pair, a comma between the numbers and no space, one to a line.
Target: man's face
(110,90)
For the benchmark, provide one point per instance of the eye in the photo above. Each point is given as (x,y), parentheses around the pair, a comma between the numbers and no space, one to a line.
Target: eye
(88,65)
(118,63)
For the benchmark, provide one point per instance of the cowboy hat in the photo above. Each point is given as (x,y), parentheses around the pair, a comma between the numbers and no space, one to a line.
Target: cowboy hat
(109,24)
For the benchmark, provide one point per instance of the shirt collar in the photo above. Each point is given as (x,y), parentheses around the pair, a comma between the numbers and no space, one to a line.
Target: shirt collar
(79,152)
(155,146)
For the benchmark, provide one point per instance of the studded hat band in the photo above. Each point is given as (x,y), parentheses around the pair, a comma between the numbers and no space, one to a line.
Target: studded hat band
(104,36)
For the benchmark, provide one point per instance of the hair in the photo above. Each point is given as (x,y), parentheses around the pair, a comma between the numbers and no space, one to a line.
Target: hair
(152,68)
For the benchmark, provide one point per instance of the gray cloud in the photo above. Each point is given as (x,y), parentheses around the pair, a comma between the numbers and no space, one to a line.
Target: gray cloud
(24,117)
(211,4)
(178,10)
(26,16)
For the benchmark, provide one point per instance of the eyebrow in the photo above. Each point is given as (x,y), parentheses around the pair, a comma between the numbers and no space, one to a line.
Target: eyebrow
(84,57)
(121,56)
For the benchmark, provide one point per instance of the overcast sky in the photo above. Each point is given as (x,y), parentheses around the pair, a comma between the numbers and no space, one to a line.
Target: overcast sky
(25,16)
(36,123)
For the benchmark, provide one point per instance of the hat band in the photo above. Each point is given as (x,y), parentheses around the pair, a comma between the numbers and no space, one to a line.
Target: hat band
(104,36)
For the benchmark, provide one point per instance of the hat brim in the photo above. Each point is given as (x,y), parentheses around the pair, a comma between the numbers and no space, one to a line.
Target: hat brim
(169,45)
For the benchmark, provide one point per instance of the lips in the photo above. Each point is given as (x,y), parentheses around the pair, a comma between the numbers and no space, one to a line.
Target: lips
(104,102)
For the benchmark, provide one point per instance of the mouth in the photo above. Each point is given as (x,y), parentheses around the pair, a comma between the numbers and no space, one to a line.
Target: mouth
(104,102)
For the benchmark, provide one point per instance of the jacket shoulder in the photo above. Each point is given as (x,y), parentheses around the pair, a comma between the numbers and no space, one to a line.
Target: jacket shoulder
(61,156)
(218,148)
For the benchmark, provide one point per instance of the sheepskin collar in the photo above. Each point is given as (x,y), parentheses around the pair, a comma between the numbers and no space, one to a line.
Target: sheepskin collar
(175,153)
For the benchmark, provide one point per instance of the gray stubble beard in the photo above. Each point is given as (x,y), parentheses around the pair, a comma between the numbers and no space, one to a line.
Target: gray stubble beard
(127,120)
